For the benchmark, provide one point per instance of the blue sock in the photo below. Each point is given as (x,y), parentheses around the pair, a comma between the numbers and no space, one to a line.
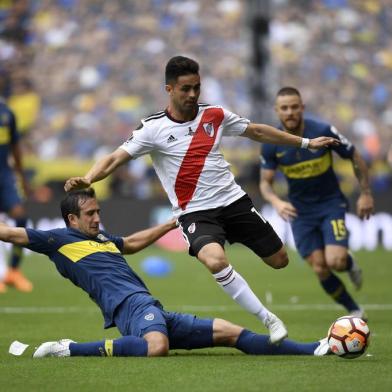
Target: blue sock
(349,262)
(254,344)
(336,289)
(17,251)
(127,346)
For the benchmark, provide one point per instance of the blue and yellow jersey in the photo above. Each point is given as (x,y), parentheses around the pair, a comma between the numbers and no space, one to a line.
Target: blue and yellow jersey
(96,265)
(309,173)
(8,134)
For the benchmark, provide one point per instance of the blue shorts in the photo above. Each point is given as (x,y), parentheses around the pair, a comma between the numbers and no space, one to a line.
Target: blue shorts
(9,196)
(317,229)
(141,313)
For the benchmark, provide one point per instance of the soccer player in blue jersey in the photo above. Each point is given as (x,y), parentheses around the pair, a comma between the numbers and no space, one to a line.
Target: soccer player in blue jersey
(92,259)
(10,201)
(316,207)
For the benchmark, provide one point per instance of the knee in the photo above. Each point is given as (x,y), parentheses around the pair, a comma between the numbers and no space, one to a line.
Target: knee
(320,268)
(225,333)
(216,265)
(213,257)
(322,271)
(157,350)
(280,260)
(337,262)
(157,344)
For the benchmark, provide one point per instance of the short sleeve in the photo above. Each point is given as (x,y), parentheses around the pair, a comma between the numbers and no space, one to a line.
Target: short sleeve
(345,149)
(41,241)
(118,241)
(140,142)
(268,157)
(233,124)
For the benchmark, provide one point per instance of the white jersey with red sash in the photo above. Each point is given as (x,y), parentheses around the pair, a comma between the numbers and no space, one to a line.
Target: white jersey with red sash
(187,159)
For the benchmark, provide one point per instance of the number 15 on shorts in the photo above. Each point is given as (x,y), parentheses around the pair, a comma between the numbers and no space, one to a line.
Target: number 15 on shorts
(339,229)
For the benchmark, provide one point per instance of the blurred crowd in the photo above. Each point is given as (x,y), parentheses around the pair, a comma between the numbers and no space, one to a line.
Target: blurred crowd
(81,73)
(339,53)
(99,65)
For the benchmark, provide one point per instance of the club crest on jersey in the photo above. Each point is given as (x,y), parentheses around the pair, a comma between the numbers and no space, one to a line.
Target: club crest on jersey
(209,129)
(149,316)
(192,228)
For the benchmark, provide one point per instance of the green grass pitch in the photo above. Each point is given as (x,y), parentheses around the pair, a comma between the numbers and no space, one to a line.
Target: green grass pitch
(56,309)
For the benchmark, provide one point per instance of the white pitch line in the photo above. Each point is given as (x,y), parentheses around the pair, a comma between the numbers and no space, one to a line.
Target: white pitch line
(185,308)
(284,307)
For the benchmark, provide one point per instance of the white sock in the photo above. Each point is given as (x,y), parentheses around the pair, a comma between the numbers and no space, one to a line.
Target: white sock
(237,287)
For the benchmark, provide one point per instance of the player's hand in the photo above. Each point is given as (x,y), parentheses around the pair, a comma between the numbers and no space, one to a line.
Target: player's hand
(322,141)
(173,223)
(75,183)
(365,205)
(286,210)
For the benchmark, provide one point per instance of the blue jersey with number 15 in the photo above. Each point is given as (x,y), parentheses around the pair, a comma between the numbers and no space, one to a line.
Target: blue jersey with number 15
(309,173)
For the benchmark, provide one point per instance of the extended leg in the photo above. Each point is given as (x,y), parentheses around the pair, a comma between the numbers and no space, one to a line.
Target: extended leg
(214,258)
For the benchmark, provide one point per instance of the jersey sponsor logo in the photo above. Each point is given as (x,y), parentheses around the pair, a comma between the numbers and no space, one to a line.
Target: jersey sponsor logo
(78,250)
(171,139)
(281,154)
(310,168)
(149,316)
(193,163)
(192,228)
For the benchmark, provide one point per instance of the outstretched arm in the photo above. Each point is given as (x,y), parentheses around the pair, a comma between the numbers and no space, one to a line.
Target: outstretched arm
(15,235)
(266,134)
(285,209)
(99,171)
(140,240)
(365,203)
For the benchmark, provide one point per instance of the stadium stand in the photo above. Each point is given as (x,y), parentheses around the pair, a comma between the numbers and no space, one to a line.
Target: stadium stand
(80,74)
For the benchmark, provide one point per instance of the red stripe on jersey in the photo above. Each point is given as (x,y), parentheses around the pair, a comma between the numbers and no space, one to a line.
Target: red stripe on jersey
(193,162)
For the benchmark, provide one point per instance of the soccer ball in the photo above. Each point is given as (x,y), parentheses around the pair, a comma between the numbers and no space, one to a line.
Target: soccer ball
(348,337)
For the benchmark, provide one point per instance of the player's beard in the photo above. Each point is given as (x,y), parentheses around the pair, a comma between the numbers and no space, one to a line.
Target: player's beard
(189,110)
(293,126)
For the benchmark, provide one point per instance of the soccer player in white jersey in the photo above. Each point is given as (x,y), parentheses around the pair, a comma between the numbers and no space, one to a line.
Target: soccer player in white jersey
(183,141)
